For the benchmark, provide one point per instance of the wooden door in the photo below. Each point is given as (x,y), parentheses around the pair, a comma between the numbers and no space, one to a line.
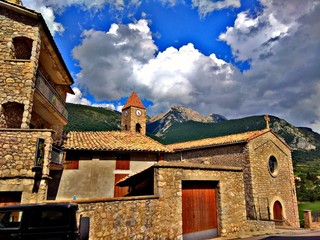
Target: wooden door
(198,206)
(277,211)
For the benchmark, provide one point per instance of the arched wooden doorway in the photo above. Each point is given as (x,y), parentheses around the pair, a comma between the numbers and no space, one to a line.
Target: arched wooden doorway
(277,211)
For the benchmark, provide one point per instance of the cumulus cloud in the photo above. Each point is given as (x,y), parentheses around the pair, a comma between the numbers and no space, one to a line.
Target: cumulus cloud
(77,97)
(123,59)
(279,42)
(108,58)
(48,15)
(115,107)
(208,6)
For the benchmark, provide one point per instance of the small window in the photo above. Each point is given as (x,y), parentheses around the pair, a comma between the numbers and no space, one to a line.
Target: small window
(22,47)
(13,113)
(138,128)
(273,166)
(10,219)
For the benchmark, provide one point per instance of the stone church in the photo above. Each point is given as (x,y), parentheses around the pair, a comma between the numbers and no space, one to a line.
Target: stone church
(130,185)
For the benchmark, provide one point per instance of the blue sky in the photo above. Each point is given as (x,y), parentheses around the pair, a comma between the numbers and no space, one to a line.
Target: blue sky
(231,57)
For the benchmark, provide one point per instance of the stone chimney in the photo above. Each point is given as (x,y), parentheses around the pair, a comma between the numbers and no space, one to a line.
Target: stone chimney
(18,2)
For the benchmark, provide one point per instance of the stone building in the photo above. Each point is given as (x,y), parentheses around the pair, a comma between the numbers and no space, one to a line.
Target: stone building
(267,170)
(34,81)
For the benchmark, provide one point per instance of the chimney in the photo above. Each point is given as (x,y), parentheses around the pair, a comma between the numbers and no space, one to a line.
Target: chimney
(18,2)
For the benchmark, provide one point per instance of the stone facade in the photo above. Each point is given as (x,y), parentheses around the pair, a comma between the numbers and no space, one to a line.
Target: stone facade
(262,189)
(160,216)
(267,188)
(18,78)
(133,116)
(17,157)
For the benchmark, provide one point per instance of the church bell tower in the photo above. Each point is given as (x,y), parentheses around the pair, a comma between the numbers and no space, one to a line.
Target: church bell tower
(134,115)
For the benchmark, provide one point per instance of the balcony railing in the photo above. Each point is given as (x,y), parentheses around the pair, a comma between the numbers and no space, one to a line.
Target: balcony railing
(51,94)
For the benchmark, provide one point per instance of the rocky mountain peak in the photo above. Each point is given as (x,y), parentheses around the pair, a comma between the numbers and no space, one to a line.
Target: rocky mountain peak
(161,123)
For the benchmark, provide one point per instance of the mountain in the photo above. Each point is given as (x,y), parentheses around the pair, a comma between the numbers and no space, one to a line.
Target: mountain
(87,118)
(161,123)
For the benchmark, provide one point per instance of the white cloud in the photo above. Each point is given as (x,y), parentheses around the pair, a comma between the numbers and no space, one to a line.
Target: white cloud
(48,15)
(282,44)
(108,58)
(105,105)
(77,97)
(208,6)
(116,62)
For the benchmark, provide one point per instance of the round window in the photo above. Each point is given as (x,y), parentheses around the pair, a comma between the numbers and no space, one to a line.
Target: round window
(273,166)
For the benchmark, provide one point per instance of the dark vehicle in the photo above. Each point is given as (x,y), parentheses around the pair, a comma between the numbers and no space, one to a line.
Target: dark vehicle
(48,221)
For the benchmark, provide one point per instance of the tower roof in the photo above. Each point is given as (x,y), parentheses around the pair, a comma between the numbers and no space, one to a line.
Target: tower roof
(134,101)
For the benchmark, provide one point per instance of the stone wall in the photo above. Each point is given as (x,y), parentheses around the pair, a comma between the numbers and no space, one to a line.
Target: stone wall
(232,155)
(261,188)
(235,155)
(18,78)
(160,216)
(17,158)
(268,187)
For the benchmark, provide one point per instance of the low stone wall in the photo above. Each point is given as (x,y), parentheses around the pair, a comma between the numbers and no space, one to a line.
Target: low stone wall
(160,216)
(129,218)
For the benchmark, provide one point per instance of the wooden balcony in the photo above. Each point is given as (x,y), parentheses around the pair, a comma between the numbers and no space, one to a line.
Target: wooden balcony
(47,102)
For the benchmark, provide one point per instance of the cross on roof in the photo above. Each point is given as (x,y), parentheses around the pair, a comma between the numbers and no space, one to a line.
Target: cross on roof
(267,119)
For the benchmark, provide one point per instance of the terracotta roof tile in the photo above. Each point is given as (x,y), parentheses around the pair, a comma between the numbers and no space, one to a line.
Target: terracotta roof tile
(112,141)
(134,101)
(223,140)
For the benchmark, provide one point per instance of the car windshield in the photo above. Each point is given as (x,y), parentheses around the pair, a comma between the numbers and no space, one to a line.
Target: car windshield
(10,219)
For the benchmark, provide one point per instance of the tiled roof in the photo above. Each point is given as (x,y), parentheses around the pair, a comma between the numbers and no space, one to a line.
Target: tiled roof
(223,140)
(112,141)
(134,101)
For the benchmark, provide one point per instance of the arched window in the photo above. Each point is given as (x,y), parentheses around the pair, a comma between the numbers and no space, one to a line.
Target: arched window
(138,128)
(13,113)
(22,47)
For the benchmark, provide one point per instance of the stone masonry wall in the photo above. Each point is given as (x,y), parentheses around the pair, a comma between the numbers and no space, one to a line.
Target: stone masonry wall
(18,75)
(267,187)
(17,157)
(160,217)
(261,188)
(233,155)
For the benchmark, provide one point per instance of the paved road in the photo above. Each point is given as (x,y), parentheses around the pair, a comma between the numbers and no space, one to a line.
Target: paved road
(294,235)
